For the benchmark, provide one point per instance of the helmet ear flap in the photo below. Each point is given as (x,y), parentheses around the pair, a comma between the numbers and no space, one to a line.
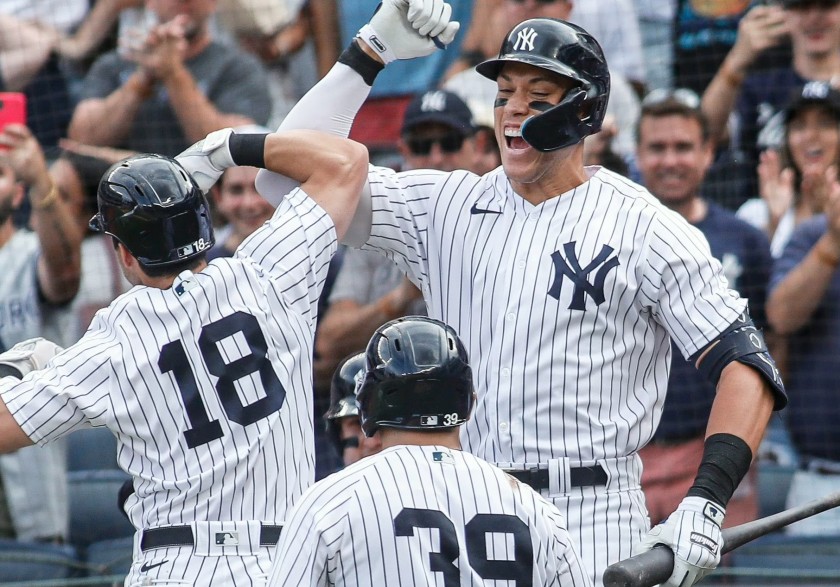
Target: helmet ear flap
(562,125)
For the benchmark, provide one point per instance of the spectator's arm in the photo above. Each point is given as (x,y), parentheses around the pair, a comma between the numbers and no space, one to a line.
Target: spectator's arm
(197,114)
(797,296)
(107,121)
(761,28)
(24,48)
(347,325)
(59,264)
(324,24)
(475,41)
(93,30)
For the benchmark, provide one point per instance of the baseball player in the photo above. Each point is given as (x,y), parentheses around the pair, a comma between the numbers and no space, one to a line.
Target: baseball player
(422,512)
(342,418)
(567,284)
(202,371)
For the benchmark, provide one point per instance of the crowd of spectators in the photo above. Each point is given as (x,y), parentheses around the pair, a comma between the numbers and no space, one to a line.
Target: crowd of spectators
(717,107)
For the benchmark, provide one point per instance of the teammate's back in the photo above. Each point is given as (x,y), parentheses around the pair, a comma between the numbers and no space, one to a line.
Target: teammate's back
(432,515)
(217,367)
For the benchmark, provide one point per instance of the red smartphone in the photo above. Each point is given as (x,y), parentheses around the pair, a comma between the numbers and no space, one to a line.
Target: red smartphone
(12,108)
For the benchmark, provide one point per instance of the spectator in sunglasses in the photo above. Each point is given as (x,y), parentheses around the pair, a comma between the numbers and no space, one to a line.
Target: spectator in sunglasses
(438,132)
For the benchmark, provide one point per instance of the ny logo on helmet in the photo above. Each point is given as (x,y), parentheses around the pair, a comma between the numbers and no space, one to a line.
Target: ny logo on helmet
(525,40)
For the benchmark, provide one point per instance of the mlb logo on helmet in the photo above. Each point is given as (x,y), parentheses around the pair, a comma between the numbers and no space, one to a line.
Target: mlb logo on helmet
(428,420)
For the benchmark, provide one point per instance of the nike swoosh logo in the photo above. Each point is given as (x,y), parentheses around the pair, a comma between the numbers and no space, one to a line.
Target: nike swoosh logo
(148,567)
(476,210)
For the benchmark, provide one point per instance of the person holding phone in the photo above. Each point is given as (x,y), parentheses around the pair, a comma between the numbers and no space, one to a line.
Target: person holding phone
(41,269)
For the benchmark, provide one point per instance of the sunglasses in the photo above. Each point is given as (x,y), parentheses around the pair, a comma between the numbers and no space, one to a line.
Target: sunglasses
(684,96)
(449,143)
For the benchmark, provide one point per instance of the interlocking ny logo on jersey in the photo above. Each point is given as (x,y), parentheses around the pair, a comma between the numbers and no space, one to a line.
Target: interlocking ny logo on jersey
(525,40)
(570,267)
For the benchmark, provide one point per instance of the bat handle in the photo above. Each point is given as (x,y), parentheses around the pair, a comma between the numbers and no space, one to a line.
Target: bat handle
(438,43)
(643,570)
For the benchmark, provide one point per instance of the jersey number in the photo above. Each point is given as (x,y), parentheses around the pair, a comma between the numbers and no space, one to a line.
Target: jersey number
(173,358)
(519,570)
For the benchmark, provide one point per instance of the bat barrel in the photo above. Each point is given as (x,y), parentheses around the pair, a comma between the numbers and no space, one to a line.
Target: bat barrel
(644,570)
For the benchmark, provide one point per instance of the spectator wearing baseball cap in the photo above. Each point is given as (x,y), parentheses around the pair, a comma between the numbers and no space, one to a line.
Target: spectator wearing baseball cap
(792,176)
(438,132)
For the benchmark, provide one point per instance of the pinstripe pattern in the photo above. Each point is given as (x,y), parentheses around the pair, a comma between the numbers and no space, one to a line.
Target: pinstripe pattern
(554,381)
(112,378)
(343,530)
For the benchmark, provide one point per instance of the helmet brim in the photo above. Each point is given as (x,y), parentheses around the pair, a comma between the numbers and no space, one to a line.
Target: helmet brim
(493,67)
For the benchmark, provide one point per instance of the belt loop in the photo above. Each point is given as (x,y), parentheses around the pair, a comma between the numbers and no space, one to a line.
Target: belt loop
(558,476)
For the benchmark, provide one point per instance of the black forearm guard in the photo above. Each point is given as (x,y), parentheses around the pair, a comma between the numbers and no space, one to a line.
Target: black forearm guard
(360,62)
(726,460)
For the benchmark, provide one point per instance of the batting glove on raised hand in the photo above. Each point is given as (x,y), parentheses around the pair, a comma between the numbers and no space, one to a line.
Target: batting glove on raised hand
(30,355)
(404,29)
(693,533)
(207,159)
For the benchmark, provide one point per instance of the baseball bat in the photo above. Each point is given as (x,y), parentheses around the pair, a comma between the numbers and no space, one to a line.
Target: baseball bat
(656,565)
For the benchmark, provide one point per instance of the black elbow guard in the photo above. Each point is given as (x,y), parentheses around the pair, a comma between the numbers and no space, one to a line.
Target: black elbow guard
(742,342)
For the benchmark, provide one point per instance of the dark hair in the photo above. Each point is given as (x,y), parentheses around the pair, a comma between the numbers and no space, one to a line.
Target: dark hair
(172,269)
(90,170)
(673,107)
(786,159)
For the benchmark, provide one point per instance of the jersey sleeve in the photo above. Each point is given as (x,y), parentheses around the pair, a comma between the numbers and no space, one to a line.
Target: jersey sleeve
(294,249)
(684,284)
(70,393)
(401,208)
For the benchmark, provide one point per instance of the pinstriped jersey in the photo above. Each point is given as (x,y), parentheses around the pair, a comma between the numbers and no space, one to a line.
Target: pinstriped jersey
(207,385)
(566,308)
(424,515)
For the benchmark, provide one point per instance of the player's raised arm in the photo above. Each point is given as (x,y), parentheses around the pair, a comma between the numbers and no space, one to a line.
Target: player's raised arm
(400,29)
(330,169)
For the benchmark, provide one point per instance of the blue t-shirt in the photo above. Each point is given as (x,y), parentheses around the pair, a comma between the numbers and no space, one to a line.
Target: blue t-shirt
(763,95)
(744,252)
(813,351)
(411,76)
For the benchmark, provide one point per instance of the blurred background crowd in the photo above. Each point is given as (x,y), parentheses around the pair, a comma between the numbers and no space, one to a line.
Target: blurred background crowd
(728,111)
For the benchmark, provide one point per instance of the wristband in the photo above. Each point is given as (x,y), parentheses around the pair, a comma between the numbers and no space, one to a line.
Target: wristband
(48,200)
(248,149)
(726,460)
(360,62)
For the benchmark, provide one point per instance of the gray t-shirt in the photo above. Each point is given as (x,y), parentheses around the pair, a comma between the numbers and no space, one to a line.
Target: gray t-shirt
(234,81)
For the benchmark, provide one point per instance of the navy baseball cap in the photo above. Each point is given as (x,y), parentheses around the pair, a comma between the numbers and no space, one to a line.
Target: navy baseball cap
(442,107)
(817,93)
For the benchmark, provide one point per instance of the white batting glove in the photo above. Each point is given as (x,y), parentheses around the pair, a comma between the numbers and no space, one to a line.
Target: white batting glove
(693,533)
(30,355)
(207,159)
(404,29)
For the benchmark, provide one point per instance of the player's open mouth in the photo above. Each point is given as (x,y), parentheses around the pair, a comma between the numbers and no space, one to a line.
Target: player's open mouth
(514,140)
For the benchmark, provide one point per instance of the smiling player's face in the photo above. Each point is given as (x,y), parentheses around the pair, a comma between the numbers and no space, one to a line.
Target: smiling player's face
(525,91)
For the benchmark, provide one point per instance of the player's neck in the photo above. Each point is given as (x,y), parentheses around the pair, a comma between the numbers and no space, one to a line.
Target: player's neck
(396,437)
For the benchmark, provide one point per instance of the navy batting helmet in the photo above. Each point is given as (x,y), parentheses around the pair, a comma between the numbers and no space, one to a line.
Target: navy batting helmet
(417,376)
(343,395)
(155,209)
(568,50)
